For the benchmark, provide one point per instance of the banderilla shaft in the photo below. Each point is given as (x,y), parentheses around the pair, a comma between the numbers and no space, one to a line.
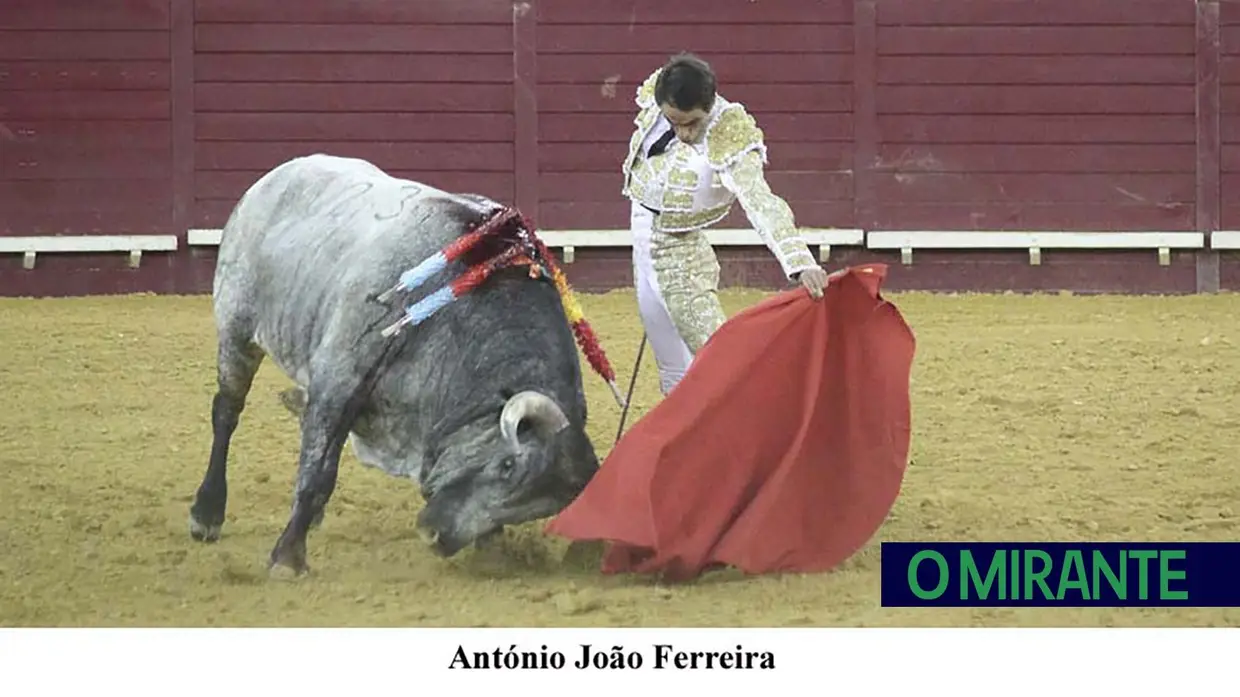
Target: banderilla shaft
(641,349)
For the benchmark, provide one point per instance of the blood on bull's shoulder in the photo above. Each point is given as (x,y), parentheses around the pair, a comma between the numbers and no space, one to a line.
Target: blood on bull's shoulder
(481,404)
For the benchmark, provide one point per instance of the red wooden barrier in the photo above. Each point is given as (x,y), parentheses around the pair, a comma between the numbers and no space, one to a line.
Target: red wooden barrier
(150,117)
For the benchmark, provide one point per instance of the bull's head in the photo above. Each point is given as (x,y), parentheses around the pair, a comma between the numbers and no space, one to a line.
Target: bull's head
(526,465)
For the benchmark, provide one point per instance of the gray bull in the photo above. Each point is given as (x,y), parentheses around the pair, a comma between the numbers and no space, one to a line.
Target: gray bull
(481,405)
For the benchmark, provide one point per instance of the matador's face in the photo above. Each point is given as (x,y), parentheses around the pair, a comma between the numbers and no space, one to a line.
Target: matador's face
(690,126)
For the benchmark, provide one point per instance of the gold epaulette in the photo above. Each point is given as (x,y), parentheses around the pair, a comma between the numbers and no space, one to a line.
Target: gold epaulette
(645,91)
(733,133)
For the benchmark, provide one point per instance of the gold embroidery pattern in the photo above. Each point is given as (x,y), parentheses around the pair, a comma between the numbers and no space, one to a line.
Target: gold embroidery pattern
(645,121)
(645,91)
(768,213)
(649,177)
(687,221)
(790,244)
(641,177)
(687,272)
(683,178)
(731,135)
(675,200)
(647,114)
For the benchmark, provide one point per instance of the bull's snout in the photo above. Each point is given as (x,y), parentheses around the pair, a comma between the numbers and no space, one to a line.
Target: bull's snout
(446,545)
(442,542)
(430,537)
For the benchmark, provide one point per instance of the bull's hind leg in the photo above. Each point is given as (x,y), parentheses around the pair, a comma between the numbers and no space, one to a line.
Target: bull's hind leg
(237,364)
(329,412)
(294,400)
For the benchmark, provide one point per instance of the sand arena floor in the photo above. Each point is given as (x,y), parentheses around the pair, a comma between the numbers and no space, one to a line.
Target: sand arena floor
(1034,417)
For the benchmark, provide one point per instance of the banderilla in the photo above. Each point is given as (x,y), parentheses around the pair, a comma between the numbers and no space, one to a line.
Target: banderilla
(641,349)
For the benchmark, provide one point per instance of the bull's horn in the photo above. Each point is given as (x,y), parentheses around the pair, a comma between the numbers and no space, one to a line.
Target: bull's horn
(536,407)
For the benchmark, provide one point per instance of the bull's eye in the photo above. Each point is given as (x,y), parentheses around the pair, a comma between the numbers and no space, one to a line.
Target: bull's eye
(507,465)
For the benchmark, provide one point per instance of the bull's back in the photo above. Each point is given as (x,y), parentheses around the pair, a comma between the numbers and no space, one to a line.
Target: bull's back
(324,218)
(313,238)
(318,200)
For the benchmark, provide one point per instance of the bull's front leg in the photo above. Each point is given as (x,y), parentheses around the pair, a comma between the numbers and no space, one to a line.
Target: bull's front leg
(325,428)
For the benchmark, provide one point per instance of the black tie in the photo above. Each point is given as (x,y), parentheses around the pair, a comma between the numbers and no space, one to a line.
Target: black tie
(661,144)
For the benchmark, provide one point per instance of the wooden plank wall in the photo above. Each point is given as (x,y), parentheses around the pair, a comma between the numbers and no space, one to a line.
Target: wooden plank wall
(1045,114)
(1229,94)
(421,89)
(152,116)
(84,118)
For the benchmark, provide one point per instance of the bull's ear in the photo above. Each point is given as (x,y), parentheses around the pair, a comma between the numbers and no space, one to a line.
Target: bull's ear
(294,400)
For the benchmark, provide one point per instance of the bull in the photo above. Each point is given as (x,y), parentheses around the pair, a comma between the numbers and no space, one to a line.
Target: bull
(481,406)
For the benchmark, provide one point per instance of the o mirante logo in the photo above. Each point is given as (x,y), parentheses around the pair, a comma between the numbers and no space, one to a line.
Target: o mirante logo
(1013,574)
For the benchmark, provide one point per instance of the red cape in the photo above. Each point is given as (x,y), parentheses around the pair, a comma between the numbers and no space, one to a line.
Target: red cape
(782,449)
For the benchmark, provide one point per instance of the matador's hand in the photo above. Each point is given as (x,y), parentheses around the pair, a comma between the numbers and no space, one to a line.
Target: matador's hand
(815,280)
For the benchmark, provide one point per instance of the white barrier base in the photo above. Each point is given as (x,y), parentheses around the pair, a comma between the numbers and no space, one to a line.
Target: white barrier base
(31,247)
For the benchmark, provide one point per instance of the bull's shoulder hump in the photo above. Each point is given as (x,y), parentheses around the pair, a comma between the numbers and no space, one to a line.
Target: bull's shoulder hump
(340,168)
(321,175)
(356,204)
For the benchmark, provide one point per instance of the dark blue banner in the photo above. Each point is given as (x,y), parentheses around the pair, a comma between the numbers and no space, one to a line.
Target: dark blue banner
(1065,574)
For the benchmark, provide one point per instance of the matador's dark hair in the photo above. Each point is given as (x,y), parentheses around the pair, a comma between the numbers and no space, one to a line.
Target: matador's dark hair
(687,83)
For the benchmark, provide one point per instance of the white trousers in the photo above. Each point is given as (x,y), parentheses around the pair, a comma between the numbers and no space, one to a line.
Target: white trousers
(671,354)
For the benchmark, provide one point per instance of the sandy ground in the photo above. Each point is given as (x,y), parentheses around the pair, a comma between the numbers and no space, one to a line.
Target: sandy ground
(1038,417)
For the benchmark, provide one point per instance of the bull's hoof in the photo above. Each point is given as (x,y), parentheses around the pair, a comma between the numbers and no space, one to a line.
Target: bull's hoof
(204,532)
(282,572)
(288,560)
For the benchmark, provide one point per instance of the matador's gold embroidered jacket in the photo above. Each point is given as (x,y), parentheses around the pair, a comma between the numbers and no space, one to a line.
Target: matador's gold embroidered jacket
(695,186)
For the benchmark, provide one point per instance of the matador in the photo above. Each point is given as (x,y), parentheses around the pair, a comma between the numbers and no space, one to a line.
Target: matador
(692,155)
